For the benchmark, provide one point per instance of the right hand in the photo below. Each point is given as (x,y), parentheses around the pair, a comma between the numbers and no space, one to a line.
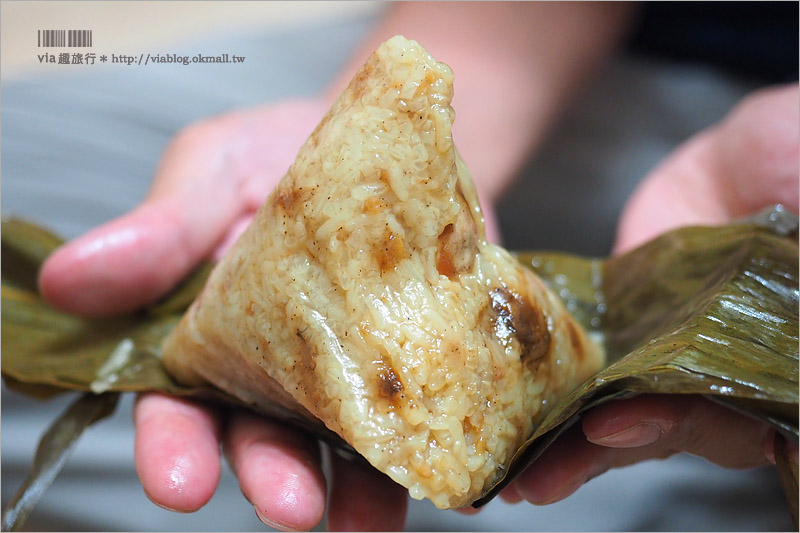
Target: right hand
(733,169)
(211,180)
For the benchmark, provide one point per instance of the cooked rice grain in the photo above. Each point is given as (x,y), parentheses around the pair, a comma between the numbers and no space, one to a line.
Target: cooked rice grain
(365,289)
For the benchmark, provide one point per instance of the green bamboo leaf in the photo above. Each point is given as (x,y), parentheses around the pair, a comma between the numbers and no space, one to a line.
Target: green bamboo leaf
(43,346)
(45,351)
(54,449)
(710,311)
(25,246)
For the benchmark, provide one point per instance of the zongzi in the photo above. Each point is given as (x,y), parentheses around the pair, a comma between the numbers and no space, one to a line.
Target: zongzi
(365,295)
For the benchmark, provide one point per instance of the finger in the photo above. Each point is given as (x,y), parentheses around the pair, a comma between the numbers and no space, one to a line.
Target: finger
(279,471)
(176,451)
(757,154)
(131,261)
(679,423)
(468,511)
(680,191)
(569,463)
(625,432)
(561,469)
(511,495)
(773,440)
(232,235)
(491,223)
(122,265)
(362,499)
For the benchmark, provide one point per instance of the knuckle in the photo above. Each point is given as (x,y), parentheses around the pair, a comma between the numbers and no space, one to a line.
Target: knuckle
(720,435)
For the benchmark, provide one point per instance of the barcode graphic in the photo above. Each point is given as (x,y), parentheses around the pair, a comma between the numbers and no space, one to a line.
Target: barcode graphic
(64,38)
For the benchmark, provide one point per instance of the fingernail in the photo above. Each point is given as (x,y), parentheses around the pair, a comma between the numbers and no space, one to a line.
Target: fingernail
(272,523)
(640,434)
(769,446)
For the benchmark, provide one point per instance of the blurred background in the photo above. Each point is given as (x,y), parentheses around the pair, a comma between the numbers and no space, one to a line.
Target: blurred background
(80,143)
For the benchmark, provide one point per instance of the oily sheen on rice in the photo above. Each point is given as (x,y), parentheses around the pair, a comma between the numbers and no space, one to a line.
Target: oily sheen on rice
(365,295)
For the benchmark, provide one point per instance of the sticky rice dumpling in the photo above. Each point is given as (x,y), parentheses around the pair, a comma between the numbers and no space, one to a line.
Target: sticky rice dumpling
(365,296)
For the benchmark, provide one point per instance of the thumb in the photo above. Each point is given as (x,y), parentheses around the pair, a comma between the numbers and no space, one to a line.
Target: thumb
(667,424)
(733,169)
(131,261)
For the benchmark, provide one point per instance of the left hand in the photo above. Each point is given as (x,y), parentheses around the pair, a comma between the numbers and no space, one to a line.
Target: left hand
(210,182)
(746,163)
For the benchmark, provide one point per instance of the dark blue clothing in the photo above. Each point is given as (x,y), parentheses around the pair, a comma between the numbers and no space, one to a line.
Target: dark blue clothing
(750,39)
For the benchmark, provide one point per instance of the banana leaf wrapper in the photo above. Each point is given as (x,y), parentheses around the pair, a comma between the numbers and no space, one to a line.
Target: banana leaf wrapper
(700,310)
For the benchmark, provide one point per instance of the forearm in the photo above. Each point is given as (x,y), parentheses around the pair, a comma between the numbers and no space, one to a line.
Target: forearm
(516,64)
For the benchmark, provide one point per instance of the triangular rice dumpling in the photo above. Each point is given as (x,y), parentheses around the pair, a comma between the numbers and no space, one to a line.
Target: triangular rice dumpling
(365,295)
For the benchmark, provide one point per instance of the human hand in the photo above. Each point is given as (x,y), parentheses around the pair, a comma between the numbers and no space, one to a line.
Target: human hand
(746,163)
(211,180)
